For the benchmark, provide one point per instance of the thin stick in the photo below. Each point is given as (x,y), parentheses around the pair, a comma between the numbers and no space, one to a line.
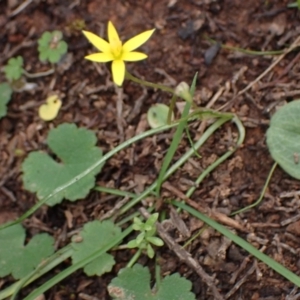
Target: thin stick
(20,8)
(251,84)
(217,216)
(186,257)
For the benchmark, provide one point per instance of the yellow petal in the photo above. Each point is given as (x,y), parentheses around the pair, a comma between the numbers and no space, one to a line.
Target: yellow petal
(118,71)
(50,109)
(100,57)
(97,41)
(112,33)
(137,41)
(133,56)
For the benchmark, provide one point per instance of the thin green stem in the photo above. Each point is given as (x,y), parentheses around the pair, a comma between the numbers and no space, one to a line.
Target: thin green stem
(261,195)
(131,216)
(46,266)
(176,165)
(247,51)
(54,260)
(171,108)
(191,141)
(148,83)
(89,170)
(194,236)
(65,273)
(134,258)
(173,147)
(157,274)
(292,277)
(241,138)
(189,92)
(115,192)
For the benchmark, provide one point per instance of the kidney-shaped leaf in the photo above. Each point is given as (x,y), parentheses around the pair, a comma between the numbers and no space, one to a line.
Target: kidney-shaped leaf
(134,283)
(17,259)
(93,236)
(283,138)
(76,149)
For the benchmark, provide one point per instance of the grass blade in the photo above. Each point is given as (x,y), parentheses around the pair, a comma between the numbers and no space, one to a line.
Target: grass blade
(176,139)
(292,277)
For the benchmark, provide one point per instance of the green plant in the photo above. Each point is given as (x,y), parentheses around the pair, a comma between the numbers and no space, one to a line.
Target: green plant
(71,176)
(147,235)
(51,47)
(19,260)
(134,283)
(292,277)
(95,235)
(14,68)
(42,174)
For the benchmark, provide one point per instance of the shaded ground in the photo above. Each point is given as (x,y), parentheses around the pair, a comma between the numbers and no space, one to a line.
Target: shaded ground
(176,52)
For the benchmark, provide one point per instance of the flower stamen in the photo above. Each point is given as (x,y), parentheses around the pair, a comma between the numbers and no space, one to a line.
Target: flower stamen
(116,48)
(117,52)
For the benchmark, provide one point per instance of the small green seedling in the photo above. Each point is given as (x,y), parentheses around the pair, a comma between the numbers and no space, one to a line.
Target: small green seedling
(5,95)
(147,236)
(51,46)
(14,68)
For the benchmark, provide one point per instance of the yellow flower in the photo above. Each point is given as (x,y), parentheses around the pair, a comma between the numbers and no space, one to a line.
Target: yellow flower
(115,51)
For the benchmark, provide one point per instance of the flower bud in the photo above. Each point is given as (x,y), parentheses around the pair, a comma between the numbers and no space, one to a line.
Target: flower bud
(183,90)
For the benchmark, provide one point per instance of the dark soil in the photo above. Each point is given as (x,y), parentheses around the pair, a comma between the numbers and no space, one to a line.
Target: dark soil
(179,48)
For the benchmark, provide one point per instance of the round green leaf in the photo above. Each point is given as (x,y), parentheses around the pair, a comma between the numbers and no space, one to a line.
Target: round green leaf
(51,46)
(57,35)
(157,115)
(54,57)
(283,138)
(62,47)
(45,38)
(43,56)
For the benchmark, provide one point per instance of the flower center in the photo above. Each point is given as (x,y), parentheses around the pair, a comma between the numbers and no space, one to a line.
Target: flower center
(116,48)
